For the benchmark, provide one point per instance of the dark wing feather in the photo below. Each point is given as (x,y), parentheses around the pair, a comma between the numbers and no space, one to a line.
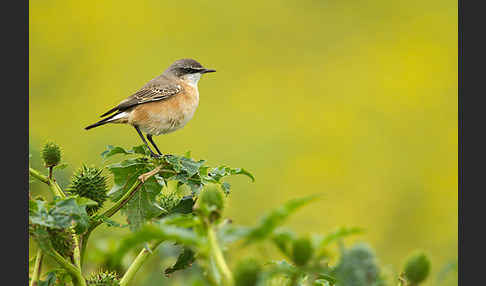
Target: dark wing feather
(158,89)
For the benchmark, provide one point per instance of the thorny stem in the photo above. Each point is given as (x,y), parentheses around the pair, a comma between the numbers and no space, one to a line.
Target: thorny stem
(117,206)
(37,268)
(138,262)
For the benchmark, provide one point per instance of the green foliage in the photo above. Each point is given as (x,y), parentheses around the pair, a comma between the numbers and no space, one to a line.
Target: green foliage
(51,154)
(181,201)
(59,214)
(247,272)
(184,260)
(275,218)
(144,205)
(417,268)
(90,183)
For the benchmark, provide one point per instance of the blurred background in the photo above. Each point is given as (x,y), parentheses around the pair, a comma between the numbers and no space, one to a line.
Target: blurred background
(356,100)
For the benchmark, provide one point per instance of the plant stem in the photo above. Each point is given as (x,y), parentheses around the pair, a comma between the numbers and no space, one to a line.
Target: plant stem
(75,273)
(34,173)
(217,255)
(53,186)
(137,263)
(108,213)
(37,268)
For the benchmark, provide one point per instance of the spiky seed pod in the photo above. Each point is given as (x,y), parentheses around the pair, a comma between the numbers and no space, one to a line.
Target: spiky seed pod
(211,201)
(302,251)
(247,272)
(104,278)
(51,154)
(168,201)
(358,267)
(90,183)
(417,268)
(62,241)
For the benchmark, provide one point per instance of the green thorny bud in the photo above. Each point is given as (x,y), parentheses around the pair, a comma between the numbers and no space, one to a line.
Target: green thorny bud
(90,183)
(302,251)
(62,241)
(358,267)
(417,268)
(104,278)
(247,272)
(51,154)
(167,201)
(211,202)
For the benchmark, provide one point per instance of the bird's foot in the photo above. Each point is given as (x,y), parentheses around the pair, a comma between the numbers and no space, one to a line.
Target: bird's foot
(156,156)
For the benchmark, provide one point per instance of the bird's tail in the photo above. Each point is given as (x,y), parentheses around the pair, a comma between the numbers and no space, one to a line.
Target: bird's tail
(108,119)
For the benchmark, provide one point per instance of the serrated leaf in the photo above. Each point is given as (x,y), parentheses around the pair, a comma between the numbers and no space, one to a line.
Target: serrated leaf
(184,206)
(60,214)
(141,149)
(112,150)
(184,260)
(276,218)
(142,206)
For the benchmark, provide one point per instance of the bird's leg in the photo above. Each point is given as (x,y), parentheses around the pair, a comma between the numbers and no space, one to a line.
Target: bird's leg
(149,137)
(145,141)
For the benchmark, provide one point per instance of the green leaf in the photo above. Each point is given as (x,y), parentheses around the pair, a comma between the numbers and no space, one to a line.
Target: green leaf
(184,206)
(283,240)
(142,206)
(83,201)
(141,149)
(276,218)
(185,260)
(112,150)
(322,241)
(59,214)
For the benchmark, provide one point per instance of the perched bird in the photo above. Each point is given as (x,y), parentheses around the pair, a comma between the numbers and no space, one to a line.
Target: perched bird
(163,105)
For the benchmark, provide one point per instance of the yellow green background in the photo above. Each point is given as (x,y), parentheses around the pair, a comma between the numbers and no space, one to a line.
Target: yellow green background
(356,100)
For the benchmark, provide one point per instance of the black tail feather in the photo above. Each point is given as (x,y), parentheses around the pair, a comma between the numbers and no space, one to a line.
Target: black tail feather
(101,122)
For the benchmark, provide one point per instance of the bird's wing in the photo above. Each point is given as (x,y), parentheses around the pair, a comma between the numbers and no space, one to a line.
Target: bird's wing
(152,91)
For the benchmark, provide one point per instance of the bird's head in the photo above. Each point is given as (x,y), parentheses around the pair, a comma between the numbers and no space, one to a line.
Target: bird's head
(187,70)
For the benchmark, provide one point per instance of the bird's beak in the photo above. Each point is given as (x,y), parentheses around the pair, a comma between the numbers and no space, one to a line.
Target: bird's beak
(207,70)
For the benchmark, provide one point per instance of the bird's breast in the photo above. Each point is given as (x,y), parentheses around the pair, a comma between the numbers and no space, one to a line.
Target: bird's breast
(165,116)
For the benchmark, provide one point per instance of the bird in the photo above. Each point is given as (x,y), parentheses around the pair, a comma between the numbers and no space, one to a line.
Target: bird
(163,105)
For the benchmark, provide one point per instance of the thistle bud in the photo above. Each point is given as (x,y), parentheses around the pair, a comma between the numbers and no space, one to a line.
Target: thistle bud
(247,272)
(51,154)
(104,278)
(417,268)
(90,183)
(302,251)
(62,241)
